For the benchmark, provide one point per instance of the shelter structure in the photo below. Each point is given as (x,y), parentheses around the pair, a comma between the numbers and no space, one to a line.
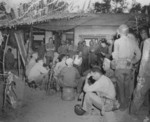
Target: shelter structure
(88,26)
(67,26)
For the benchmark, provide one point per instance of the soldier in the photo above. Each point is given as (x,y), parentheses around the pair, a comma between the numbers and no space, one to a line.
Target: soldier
(124,56)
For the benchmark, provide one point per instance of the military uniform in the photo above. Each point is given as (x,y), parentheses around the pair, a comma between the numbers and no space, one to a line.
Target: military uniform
(126,53)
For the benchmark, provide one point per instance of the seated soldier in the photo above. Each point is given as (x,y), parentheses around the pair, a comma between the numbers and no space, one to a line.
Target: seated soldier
(61,64)
(70,77)
(38,73)
(50,48)
(100,94)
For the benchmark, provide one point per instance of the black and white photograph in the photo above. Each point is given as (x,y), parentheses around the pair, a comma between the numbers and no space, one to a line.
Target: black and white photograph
(74,60)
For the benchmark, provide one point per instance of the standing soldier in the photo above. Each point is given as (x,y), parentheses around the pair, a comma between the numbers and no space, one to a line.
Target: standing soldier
(85,55)
(50,48)
(92,56)
(143,84)
(124,56)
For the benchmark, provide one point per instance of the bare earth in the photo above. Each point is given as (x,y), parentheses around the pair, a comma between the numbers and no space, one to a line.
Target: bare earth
(39,107)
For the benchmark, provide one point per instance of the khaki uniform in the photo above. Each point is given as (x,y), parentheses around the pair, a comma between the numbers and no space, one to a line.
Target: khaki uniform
(126,53)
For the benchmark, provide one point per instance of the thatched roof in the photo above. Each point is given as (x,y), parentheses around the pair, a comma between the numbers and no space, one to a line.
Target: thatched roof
(88,20)
(45,18)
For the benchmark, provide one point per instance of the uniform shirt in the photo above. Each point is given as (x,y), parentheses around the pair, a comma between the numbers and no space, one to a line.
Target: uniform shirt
(85,51)
(63,49)
(37,70)
(50,48)
(69,75)
(145,61)
(103,85)
(125,48)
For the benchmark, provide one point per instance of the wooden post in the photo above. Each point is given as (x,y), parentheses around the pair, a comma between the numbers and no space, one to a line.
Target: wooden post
(4,90)
(5,53)
(31,34)
(18,57)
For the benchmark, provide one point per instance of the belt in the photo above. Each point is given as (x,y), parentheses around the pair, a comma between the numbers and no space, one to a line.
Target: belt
(123,64)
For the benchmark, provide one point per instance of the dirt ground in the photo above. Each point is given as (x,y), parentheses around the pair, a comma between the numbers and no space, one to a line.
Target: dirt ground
(39,107)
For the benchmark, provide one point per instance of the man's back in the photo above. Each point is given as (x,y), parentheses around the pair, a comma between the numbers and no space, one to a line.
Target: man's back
(69,75)
(123,48)
(107,87)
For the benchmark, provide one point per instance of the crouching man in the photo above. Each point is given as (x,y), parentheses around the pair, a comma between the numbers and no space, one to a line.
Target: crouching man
(38,74)
(101,94)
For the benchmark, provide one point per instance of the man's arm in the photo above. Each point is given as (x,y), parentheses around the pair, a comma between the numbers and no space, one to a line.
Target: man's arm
(94,87)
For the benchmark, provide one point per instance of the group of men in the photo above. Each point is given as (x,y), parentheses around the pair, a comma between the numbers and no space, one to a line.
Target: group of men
(126,64)
(131,73)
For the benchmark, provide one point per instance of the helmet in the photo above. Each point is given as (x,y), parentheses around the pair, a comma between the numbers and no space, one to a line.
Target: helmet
(78,110)
(123,29)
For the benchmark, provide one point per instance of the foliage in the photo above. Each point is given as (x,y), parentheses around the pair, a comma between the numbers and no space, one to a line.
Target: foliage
(111,6)
(119,6)
(102,7)
(136,8)
(2,7)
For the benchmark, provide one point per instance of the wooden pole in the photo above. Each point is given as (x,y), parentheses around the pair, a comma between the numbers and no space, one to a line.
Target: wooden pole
(3,71)
(5,53)
(18,57)
(30,42)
